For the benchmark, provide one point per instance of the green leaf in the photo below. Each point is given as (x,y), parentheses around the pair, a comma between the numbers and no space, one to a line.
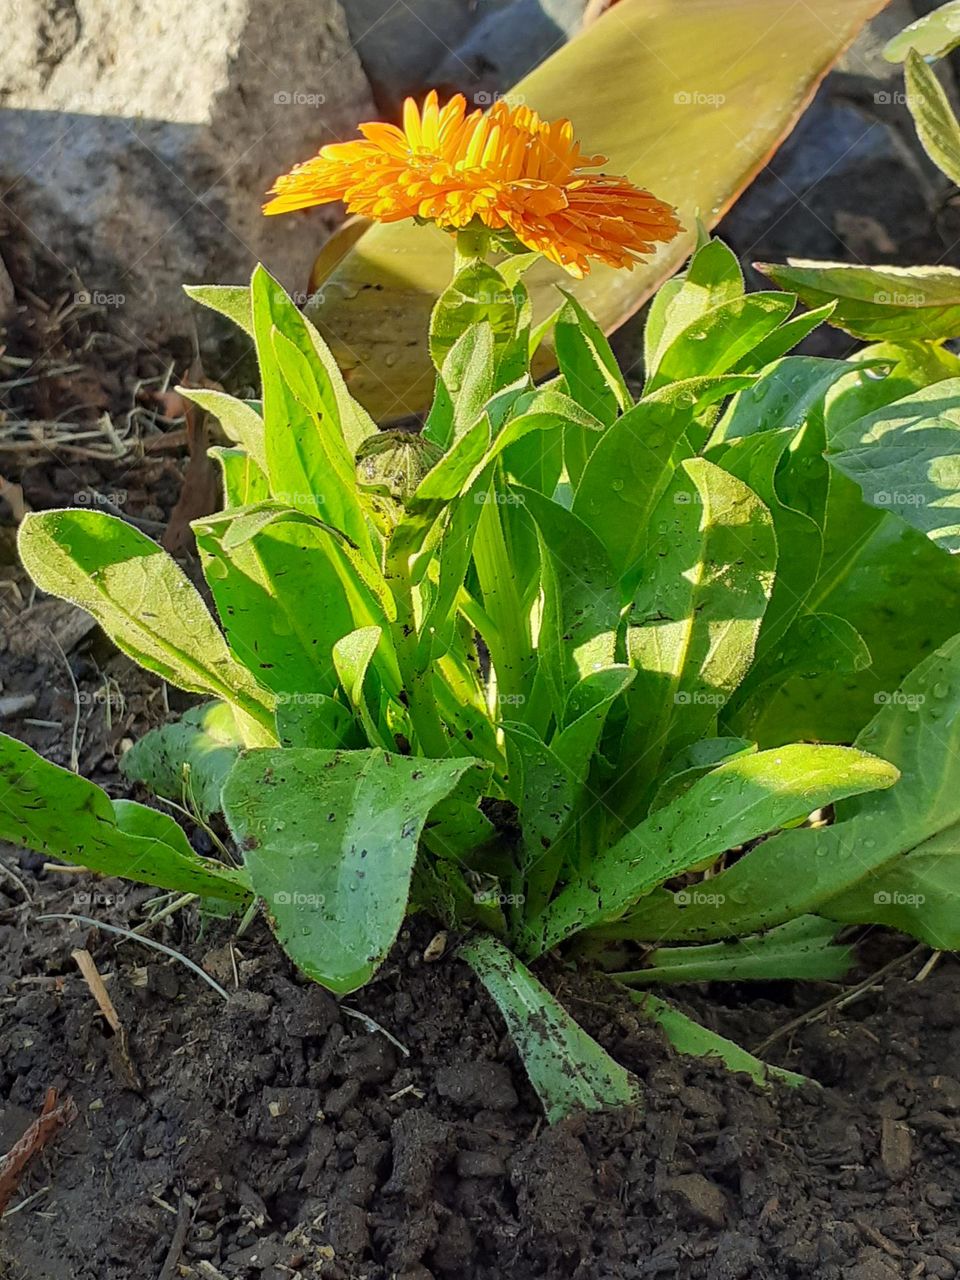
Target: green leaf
(581,605)
(877,303)
(692,762)
(464,387)
(589,367)
(785,395)
(550,779)
(230,300)
(204,742)
(262,565)
(861,867)
(934,35)
(800,949)
(695,618)
(789,335)
(58,813)
(310,461)
(721,339)
(477,293)
(739,801)
(352,655)
(241,422)
(712,279)
(937,126)
(142,599)
(691,1038)
(244,484)
(568,1069)
(632,464)
(905,458)
(871,571)
(329,839)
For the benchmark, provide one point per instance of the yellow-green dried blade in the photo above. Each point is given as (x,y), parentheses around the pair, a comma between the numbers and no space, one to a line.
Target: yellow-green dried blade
(688,99)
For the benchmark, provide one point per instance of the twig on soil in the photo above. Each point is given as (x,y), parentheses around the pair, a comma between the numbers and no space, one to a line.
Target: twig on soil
(369,1023)
(91,976)
(836,1002)
(185,1212)
(53,1116)
(929,967)
(146,942)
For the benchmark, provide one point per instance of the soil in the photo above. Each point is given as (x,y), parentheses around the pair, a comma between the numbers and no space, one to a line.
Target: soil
(279,1134)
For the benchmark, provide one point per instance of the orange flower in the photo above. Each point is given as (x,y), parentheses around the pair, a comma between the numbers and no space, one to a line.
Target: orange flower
(508,170)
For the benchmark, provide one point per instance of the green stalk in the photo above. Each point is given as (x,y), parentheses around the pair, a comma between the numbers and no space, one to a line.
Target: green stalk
(512,653)
(421,703)
(471,245)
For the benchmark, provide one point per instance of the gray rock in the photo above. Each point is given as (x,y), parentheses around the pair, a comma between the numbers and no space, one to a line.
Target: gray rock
(137,142)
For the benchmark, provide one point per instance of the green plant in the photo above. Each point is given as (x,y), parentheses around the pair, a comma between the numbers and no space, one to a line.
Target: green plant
(537,670)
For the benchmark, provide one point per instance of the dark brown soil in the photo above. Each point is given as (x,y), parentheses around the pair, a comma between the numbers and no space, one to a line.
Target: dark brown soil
(288,1136)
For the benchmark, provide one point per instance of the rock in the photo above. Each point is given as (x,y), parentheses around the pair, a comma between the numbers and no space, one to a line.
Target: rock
(477,47)
(137,141)
(699,1198)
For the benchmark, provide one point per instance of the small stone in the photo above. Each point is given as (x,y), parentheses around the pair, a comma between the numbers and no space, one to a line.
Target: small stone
(702,1199)
(435,947)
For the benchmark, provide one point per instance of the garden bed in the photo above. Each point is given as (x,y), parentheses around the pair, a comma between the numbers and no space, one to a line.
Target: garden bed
(278,1134)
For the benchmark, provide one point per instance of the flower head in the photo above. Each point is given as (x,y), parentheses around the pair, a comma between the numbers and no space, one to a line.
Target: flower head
(508,170)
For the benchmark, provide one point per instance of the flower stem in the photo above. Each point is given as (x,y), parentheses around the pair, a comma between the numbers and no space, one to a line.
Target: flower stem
(470,246)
